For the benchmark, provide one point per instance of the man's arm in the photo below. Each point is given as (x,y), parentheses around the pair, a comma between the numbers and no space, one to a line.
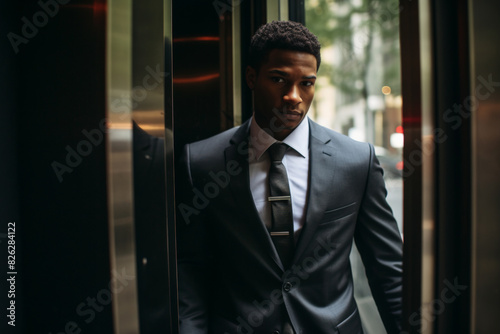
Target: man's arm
(379,243)
(193,257)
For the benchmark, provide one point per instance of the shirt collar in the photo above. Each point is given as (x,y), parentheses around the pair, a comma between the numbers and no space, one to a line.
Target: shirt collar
(261,140)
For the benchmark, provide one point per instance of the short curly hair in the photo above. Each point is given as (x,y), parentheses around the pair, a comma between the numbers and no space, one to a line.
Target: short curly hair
(285,35)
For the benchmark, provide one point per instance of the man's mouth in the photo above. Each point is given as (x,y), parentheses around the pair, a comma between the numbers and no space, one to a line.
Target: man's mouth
(288,115)
(284,111)
(291,115)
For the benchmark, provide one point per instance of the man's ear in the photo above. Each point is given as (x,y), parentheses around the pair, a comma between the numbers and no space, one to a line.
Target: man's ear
(251,76)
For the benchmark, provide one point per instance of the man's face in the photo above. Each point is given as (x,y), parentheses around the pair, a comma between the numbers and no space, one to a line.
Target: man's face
(283,90)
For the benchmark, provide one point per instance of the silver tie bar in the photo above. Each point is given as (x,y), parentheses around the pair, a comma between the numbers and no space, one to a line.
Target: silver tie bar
(278,234)
(278,198)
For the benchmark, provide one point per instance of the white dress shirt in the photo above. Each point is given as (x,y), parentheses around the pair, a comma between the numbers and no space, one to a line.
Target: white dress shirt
(296,162)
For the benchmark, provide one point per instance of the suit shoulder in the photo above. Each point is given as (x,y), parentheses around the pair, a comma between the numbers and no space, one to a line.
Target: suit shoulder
(210,147)
(338,140)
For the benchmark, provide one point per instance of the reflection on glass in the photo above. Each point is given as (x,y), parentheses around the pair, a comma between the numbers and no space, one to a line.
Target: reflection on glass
(150,96)
(358,93)
(150,231)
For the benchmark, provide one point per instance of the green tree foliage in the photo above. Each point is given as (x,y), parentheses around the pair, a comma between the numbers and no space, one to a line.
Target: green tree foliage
(352,27)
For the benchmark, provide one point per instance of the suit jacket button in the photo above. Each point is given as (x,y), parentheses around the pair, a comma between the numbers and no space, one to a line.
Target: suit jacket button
(287,286)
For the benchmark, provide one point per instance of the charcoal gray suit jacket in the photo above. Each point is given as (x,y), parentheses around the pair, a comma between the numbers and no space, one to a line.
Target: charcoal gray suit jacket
(231,279)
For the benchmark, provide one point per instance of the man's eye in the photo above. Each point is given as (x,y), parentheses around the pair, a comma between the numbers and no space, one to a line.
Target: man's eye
(308,83)
(277,79)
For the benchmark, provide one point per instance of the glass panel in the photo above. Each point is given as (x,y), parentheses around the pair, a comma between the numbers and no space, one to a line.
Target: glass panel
(358,93)
(152,149)
(486,164)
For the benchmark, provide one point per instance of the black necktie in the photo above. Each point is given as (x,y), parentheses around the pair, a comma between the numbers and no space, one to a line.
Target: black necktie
(281,205)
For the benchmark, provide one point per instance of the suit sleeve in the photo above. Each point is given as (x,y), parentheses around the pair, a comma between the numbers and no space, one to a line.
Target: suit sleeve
(193,257)
(379,243)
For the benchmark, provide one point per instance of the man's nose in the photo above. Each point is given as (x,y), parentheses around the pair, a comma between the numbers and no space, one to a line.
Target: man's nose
(292,95)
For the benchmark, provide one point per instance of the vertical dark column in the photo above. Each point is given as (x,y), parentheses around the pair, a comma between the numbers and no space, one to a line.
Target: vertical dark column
(64,268)
(253,15)
(296,11)
(412,202)
(246,31)
(484,27)
(196,70)
(9,206)
(453,165)
(170,175)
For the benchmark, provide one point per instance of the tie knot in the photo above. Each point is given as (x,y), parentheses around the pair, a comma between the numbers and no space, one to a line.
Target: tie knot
(277,151)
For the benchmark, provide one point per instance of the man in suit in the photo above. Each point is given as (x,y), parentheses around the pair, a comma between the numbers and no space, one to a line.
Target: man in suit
(255,260)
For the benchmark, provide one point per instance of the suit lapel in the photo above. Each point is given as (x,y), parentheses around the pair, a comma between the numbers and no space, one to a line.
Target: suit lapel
(240,190)
(322,166)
